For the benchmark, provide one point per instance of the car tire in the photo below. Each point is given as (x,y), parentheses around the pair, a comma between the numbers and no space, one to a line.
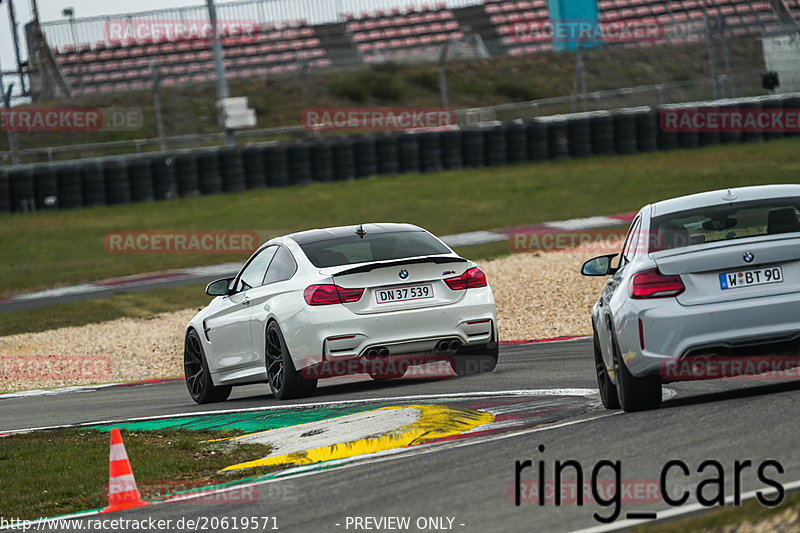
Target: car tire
(285,381)
(198,378)
(470,361)
(608,391)
(635,394)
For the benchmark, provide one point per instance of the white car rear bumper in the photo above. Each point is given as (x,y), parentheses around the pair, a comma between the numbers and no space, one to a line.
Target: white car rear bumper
(317,334)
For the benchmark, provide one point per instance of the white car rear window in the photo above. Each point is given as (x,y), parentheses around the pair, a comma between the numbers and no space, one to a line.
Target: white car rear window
(385,246)
(719,223)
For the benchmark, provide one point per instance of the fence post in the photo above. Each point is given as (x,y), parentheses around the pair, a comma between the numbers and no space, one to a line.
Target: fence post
(712,57)
(219,64)
(443,75)
(579,81)
(726,58)
(162,141)
(12,137)
(303,75)
(12,19)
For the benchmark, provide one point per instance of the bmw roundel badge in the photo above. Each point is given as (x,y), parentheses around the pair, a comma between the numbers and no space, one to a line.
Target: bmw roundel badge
(748,257)
(403,274)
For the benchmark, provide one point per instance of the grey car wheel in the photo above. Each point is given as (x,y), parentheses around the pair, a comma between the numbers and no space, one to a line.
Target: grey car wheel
(198,378)
(635,394)
(284,380)
(608,391)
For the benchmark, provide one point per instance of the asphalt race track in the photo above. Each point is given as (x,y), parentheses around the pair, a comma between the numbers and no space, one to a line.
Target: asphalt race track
(468,485)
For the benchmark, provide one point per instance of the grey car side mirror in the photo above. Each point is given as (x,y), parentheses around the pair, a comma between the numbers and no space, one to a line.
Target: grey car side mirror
(598,266)
(219,287)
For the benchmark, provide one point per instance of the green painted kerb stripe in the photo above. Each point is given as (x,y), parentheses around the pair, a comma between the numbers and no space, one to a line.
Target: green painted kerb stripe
(248,422)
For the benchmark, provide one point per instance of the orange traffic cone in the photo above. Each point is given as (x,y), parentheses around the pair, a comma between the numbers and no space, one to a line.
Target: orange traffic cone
(122,491)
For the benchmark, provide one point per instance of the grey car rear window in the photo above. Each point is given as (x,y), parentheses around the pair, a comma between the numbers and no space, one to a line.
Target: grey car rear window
(719,223)
(384,246)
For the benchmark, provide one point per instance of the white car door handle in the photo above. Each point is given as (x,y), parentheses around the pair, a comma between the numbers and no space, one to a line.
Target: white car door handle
(245,300)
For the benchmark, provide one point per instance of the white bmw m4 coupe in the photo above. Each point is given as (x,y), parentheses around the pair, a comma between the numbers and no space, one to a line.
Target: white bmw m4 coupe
(374,298)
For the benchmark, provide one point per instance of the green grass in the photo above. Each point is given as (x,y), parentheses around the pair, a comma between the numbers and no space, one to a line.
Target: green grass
(750,511)
(50,473)
(144,304)
(65,247)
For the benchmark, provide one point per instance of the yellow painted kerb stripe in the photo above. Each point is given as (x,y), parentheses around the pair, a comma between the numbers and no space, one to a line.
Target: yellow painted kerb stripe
(435,422)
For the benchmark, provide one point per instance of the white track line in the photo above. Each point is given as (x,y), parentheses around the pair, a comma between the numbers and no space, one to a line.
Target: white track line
(575,224)
(53,392)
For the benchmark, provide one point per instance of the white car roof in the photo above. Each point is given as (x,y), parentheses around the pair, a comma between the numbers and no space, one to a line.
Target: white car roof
(322,234)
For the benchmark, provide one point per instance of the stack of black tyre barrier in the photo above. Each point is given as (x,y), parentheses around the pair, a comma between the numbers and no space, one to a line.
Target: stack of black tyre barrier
(151,177)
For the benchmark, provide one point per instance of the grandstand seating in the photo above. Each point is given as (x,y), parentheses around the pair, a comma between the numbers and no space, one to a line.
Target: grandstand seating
(394,34)
(105,68)
(399,34)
